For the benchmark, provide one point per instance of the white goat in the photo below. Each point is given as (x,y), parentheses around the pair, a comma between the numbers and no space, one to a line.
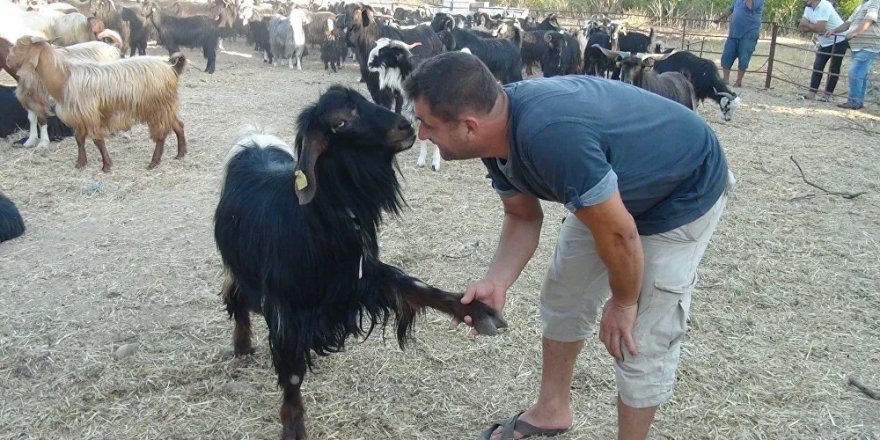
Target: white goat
(392,72)
(97,98)
(34,97)
(72,28)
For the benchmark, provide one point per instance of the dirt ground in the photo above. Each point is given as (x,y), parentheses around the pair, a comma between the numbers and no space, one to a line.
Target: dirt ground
(786,310)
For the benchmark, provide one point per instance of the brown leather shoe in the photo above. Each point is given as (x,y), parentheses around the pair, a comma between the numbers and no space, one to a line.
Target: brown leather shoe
(849,106)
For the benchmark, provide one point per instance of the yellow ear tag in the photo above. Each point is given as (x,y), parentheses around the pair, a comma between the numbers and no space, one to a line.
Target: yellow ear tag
(301,181)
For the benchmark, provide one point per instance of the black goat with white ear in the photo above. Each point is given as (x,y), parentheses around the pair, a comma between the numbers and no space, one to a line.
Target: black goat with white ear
(299,240)
(394,61)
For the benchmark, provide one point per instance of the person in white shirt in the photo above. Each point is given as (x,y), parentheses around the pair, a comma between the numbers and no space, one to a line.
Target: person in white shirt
(819,17)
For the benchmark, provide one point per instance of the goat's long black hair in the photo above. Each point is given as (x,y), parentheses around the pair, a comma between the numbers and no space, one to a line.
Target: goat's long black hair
(313,270)
(11,223)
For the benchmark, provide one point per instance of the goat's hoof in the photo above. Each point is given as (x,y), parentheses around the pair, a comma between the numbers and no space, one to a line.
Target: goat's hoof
(243,351)
(420,164)
(44,144)
(152,165)
(30,142)
(435,167)
(180,156)
(106,168)
(80,164)
(486,320)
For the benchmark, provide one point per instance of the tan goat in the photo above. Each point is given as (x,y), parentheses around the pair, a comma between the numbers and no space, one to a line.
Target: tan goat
(97,98)
(33,94)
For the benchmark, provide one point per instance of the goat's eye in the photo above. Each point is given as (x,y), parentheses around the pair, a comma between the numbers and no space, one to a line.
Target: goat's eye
(338,126)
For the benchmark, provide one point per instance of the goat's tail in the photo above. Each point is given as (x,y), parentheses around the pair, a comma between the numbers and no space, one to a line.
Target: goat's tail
(651,37)
(178,61)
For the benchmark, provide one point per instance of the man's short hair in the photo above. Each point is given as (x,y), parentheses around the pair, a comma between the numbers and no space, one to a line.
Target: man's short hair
(452,83)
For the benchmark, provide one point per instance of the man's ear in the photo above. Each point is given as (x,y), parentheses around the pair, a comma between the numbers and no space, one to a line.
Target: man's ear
(472,125)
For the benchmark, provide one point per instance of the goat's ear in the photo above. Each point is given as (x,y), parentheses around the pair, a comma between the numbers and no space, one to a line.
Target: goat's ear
(310,147)
(366,17)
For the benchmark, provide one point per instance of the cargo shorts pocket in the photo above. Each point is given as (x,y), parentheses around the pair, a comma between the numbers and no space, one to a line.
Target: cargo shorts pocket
(663,323)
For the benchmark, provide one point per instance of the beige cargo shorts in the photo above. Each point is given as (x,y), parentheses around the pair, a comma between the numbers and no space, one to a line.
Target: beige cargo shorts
(576,287)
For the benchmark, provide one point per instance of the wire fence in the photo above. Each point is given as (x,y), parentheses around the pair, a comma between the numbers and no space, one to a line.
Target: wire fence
(784,54)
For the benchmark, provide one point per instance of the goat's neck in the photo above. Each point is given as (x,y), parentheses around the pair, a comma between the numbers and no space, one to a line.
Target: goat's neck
(54,71)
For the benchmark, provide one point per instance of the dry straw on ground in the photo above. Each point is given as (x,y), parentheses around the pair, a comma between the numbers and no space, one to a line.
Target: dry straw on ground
(787,307)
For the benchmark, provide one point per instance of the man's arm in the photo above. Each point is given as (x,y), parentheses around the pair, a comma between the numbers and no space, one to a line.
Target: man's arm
(520,233)
(818,27)
(859,29)
(842,28)
(618,245)
(620,248)
(723,16)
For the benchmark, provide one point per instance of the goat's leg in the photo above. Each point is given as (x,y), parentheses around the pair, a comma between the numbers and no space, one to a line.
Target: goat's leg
(238,310)
(105,156)
(412,295)
(81,159)
(435,165)
(291,369)
(423,153)
(181,138)
(293,411)
(157,153)
(34,130)
(44,131)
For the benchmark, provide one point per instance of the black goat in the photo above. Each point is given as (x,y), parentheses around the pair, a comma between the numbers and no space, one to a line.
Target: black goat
(563,56)
(11,223)
(196,31)
(13,117)
(444,22)
(632,42)
(258,34)
(500,55)
(333,50)
(703,74)
(550,23)
(299,241)
(533,46)
(595,61)
(363,31)
(138,30)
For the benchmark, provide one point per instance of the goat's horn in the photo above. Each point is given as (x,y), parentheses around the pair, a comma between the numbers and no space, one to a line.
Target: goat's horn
(655,56)
(414,45)
(610,53)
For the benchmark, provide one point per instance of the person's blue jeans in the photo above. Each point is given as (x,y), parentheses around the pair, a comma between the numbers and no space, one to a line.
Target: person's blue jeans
(859,68)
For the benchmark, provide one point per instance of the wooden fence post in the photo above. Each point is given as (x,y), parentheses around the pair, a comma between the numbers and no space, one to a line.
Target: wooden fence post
(771,56)
(683,34)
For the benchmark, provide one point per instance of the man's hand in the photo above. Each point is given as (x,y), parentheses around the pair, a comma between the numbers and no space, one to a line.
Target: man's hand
(616,328)
(487,291)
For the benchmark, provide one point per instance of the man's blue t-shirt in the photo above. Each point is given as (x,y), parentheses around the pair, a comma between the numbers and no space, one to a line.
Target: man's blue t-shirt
(745,22)
(578,139)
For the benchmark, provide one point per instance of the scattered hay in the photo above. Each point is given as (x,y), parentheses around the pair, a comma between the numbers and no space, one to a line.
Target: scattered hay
(786,308)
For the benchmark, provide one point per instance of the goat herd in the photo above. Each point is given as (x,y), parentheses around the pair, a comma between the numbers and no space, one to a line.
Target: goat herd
(298,235)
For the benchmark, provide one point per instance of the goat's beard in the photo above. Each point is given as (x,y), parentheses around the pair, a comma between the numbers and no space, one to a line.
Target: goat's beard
(391,78)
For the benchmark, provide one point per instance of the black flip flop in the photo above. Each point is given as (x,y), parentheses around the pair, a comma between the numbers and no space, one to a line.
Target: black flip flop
(514,424)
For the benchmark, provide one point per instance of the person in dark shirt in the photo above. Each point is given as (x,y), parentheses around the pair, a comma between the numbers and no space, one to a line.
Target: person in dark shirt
(645,181)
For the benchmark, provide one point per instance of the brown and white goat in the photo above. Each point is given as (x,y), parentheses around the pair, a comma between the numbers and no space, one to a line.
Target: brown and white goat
(97,98)
(34,97)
